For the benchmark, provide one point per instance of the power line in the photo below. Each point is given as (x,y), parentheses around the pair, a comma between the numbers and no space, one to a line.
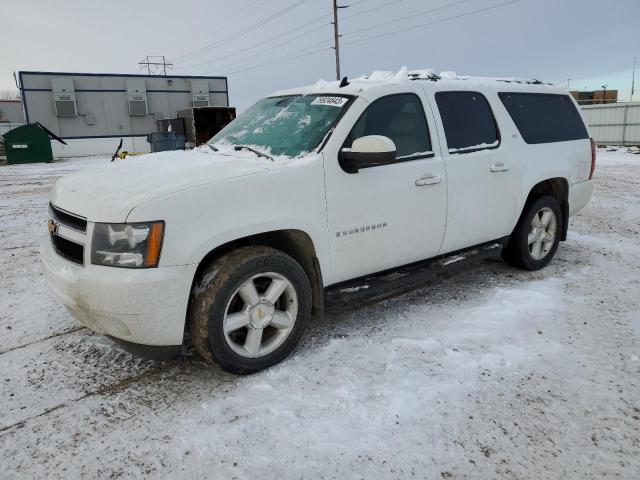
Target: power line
(240,33)
(261,43)
(394,32)
(284,58)
(417,14)
(373,9)
(299,53)
(248,8)
(337,35)
(276,46)
(284,34)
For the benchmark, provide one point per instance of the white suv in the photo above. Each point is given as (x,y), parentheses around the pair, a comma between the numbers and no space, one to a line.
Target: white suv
(308,188)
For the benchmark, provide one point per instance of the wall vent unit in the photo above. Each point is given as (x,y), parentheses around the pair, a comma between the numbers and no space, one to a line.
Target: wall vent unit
(199,93)
(137,96)
(64,97)
(200,101)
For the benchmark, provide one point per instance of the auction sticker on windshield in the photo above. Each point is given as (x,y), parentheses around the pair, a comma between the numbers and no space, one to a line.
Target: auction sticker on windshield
(333,101)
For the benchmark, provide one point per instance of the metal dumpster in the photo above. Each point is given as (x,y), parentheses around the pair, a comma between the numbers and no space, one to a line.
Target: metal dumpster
(29,143)
(165,141)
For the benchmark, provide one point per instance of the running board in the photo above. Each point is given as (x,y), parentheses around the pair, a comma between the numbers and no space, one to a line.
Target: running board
(390,283)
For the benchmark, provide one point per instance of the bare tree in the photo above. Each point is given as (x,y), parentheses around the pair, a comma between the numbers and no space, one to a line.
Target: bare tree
(9,94)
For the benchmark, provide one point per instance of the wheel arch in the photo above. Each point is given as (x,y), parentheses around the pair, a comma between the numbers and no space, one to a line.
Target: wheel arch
(558,188)
(295,243)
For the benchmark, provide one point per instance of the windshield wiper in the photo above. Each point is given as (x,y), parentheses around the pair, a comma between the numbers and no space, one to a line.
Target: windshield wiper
(245,147)
(211,147)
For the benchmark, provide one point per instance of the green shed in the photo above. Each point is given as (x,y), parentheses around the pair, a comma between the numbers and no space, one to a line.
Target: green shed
(29,143)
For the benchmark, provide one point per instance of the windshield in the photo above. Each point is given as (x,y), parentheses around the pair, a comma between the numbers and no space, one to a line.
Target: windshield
(290,125)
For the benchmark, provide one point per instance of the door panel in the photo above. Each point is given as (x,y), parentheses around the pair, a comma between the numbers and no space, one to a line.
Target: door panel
(385,216)
(483,194)
(483,198)
(379,218)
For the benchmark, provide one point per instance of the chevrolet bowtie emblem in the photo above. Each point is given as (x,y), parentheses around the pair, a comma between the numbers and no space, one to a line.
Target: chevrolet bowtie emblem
(52,226)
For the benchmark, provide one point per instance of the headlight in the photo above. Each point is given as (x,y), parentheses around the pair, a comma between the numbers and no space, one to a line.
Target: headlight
(128,245)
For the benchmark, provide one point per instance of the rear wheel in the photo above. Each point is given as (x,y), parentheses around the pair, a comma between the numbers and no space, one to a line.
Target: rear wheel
(249,309)
(536,237)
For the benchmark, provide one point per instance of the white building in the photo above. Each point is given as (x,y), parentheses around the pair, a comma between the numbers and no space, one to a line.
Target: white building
(93,111)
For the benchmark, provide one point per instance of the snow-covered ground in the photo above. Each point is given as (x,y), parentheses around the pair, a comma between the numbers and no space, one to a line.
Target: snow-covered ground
(493,373)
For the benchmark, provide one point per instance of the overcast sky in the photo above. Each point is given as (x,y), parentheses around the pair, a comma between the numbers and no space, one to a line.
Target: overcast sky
(590,42)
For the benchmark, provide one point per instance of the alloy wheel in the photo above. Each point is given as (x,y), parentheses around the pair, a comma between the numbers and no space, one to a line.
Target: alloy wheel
(542,233)
(260,315)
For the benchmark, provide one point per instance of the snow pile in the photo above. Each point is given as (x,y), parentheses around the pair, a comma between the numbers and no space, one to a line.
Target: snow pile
(404,75)
(228,149)
(475,147)
(376,77)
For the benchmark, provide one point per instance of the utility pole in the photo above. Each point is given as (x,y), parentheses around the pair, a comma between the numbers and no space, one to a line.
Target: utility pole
(633,78)
(336,36)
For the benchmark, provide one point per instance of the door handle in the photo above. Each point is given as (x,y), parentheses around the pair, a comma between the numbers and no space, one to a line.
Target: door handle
(499,167)
(428,179)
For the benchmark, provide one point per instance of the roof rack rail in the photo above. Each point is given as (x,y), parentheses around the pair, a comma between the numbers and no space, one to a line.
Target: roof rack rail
(533,81)
(421,76)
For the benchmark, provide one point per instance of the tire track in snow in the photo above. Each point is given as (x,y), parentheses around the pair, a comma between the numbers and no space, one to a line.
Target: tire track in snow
(44,339)
(107,390)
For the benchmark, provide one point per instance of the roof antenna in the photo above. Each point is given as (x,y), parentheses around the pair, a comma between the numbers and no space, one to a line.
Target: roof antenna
(344,82)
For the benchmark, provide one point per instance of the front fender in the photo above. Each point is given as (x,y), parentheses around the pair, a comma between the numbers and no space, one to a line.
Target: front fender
(202,218)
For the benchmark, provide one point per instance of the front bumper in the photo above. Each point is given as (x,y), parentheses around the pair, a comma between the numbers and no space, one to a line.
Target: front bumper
(146,306)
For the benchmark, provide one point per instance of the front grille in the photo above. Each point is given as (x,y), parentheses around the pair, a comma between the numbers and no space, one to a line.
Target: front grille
(72,251)
(68,219)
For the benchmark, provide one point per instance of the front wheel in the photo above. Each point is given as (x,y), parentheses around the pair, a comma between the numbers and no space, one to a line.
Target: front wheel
(249,309)
(536,237)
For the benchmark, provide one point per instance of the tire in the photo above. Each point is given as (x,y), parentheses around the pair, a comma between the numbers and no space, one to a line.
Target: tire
(244,329)
(520,252)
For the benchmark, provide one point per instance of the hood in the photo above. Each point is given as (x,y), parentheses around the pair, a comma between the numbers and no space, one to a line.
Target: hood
(108,193)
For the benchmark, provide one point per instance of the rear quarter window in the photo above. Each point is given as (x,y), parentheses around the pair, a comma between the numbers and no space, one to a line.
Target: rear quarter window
(544,117)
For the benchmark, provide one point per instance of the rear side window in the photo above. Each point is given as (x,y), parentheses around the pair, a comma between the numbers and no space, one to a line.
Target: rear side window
(468,121)
(543,117)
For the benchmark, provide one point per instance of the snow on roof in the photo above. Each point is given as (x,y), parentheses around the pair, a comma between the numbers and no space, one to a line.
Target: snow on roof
(404,75)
